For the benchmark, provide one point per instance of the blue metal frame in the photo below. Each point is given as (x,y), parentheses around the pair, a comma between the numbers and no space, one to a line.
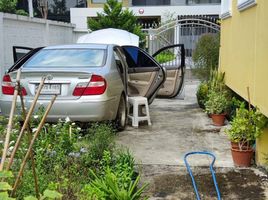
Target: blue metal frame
(211,170)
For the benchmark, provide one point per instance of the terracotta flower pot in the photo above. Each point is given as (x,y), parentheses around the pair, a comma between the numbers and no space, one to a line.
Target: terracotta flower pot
(242,158)
(235,145)
(218,119)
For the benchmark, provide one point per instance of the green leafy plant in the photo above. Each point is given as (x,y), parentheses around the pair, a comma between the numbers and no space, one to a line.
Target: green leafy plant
(206,55)
(114,16)
(217,102)
(202,94)
(164,57)
(48,195)
(8,6)
(5,186)
(108,187)
(247,125)
(214,83)
(22,12)
(63,158)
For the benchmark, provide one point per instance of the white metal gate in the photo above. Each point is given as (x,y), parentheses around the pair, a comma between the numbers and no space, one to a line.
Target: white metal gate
(185,31)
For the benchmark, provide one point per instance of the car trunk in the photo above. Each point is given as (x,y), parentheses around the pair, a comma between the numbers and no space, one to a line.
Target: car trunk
(57,82)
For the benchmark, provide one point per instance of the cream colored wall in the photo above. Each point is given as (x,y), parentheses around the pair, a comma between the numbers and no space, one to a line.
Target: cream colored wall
(95,5)
(262,149)
(244,57)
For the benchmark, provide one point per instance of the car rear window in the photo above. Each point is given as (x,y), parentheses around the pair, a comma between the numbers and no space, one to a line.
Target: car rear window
(67,58)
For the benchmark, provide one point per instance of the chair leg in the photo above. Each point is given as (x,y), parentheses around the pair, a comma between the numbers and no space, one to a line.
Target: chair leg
(148,114)
(135,121)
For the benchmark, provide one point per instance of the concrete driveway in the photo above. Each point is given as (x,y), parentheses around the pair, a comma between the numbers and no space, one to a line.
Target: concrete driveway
(178,126)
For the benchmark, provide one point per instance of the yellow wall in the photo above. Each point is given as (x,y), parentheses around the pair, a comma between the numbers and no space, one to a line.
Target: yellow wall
(94,5)
(244,57)
(262,149)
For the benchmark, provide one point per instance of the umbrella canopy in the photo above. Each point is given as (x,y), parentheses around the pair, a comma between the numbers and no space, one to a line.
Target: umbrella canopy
(110,36)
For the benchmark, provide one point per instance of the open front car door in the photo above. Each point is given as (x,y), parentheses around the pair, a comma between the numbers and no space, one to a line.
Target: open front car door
(145,75)
(173,59)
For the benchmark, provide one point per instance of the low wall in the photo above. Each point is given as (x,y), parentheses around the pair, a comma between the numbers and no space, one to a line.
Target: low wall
(17,30)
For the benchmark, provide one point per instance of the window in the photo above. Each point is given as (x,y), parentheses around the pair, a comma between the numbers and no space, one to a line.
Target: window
(189,2)
(244,4)
(226,7)
(136,58)
(67,58)
(118,62)
(102,1)
(150,2)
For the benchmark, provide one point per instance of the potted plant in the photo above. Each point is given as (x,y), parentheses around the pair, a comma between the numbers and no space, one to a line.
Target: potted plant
(247,125)
(216,106)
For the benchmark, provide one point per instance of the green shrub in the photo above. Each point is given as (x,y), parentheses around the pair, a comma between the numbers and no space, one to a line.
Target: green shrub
(247,125)
(8,6)
(206,55)
(202,94)
(217,102)
(108,188)
(164,57)
(214,83)
(22,12)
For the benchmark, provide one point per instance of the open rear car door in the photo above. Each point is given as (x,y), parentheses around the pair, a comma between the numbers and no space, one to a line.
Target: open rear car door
(21,55)
(172,58)
(145,75)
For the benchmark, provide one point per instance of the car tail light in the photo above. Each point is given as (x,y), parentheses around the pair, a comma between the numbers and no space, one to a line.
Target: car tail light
(8,87)
(96,86)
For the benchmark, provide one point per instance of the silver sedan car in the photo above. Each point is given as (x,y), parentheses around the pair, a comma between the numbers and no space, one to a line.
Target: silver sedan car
(92,81)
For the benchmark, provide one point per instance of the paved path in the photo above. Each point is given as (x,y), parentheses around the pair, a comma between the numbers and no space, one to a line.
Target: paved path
(179,126)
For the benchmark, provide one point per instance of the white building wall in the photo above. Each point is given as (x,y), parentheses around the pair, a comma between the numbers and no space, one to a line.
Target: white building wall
(18,30)
(79,15)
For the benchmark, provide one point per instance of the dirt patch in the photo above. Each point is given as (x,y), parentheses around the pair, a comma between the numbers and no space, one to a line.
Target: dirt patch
(234,184)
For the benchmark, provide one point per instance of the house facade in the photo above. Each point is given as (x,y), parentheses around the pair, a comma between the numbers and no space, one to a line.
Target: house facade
(149,11)
(243,56)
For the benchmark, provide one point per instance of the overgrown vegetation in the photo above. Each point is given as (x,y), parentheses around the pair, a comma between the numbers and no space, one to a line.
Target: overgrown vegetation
(71,162)
(206,55)
(113,16)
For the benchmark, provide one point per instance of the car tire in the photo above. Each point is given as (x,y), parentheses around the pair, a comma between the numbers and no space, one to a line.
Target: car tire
(121,117)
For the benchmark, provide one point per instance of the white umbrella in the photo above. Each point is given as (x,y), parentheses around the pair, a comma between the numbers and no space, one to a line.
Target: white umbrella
(110,36)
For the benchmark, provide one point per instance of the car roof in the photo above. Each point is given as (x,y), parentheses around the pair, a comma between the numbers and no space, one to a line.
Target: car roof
(80,46)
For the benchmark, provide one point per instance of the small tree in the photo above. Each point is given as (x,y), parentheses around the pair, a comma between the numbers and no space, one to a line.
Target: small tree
(8,6)
(206,55)
(114,16)
(59,7)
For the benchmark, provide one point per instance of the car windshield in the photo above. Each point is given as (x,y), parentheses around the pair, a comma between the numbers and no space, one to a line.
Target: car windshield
(67,58)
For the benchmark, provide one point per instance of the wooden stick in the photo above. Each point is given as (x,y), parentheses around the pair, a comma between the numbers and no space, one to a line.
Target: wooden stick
(10,121)
(39,128)
(30,138)
(25,123)
(249,102)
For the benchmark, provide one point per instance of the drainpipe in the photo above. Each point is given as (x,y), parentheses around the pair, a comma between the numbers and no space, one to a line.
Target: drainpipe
(30,7)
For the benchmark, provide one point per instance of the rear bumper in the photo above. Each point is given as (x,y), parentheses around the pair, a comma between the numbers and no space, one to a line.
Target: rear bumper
(82,109)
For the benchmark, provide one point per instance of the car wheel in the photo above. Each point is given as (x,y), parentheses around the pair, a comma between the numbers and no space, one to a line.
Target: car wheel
(121,118)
